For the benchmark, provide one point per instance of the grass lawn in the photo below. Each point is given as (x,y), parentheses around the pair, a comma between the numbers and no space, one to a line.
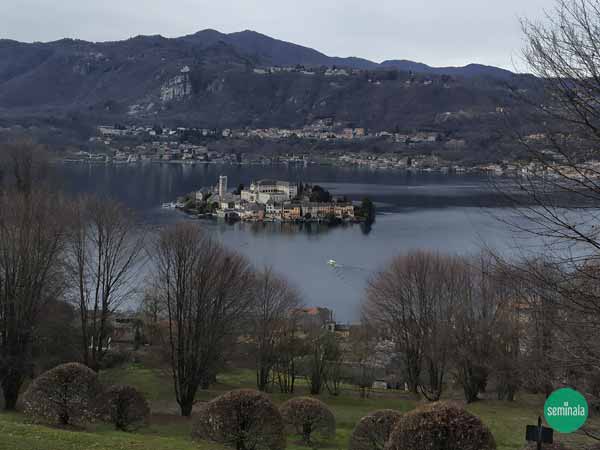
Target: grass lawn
(16,434)
(167,430)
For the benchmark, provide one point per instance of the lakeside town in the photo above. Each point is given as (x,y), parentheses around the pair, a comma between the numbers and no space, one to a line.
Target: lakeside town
(142,144)
(274,201)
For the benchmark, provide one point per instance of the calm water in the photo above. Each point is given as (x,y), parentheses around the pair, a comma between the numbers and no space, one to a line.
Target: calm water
(449,213)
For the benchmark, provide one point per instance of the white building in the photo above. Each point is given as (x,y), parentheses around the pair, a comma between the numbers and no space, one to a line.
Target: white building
(263,191)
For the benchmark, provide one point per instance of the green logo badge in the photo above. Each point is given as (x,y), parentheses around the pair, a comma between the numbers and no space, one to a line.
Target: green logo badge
(566,410)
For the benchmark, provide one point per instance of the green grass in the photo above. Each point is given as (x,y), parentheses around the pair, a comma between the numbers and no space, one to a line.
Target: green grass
(167,430)
(15,434)
(156,385)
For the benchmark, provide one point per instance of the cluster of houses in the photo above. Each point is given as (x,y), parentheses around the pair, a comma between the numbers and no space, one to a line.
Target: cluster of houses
(273,200)
(155,151)
(114,144)
(327,71)
(322,129)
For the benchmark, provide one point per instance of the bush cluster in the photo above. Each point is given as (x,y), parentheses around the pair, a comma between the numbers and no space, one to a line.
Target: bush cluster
(440,425)
(373,430)
(125,407)
(65,395)
(553,446)
(71,394)
(244,419)
(307,416)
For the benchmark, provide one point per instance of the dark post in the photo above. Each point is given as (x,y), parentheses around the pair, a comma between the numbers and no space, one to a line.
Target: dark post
(539,439)
(539,434)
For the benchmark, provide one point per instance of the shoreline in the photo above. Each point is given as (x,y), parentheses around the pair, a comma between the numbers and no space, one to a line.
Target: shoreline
(441,170)
(216,217)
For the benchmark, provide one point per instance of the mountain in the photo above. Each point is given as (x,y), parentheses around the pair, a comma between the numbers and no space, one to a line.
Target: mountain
(274,51)
(468,71)
(231,80)
(283,53)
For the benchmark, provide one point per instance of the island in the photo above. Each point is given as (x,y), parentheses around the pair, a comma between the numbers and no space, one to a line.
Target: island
(274,201)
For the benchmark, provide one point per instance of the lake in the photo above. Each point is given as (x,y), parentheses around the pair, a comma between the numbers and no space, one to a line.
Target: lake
(447,213)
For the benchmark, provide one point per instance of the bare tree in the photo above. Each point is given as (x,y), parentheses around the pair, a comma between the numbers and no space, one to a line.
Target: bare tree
(208,291)
(23,165)
(524,334)
(559,189)
(31,274)
(320,349)
(275,303)
(363,343)
(411,300)
(475,317)
(290,350)
(447,313)
(334,367)
(555,338)
(437,322)
(104,251)
(152,310)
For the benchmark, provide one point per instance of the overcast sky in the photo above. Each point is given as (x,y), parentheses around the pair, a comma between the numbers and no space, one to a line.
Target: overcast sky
(436,32)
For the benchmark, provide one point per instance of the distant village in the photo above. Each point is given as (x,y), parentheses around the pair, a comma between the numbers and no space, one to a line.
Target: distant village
(322,129)
(142,144)
(273,201)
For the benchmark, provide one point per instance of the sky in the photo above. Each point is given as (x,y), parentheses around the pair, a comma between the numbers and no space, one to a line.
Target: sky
(436,32)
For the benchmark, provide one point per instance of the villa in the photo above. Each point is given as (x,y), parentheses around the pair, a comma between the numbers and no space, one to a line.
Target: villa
(264,191)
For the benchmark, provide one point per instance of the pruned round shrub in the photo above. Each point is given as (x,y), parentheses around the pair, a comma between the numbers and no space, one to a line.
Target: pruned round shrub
(244,419)
(553,446)
(440,425)
(125,407)
(373,430)
(308,415)
(65,395)
(593,405)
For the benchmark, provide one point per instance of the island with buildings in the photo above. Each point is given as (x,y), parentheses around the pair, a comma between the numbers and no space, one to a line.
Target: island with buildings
(274,201)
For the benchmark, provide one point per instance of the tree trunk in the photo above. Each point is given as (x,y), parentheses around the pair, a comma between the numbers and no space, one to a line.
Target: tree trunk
(471,389)
(413,386)
(510,395)
(413,371)
(11,385)
(315,384)
(262,379)
(186,407)
(306,432)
